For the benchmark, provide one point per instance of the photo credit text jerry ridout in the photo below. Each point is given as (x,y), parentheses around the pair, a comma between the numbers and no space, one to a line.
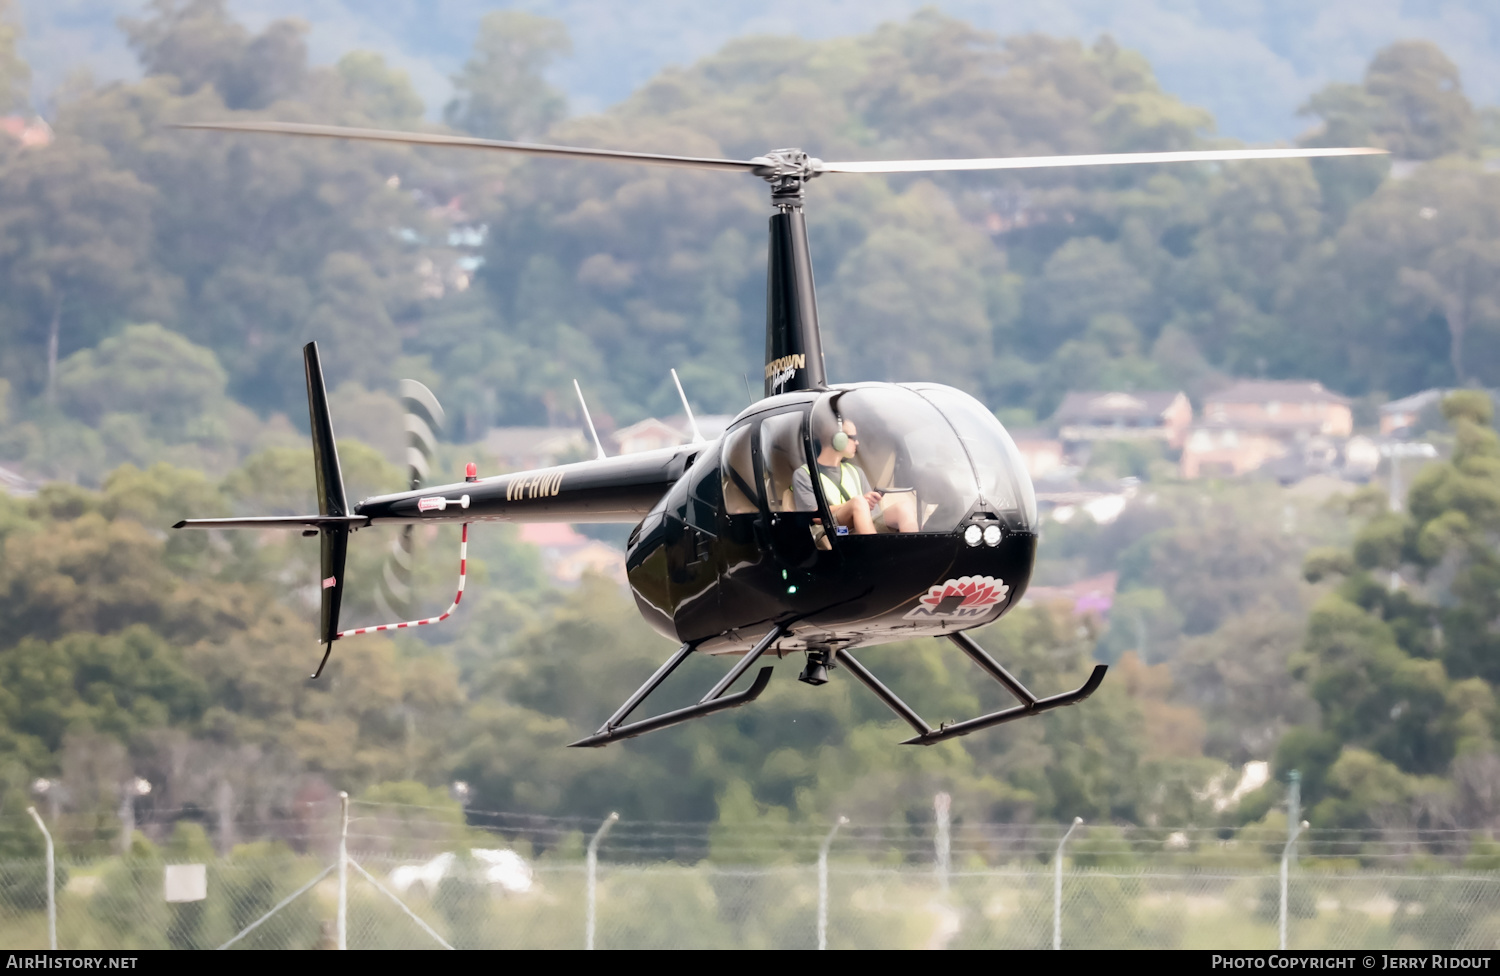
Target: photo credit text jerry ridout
(1369,961)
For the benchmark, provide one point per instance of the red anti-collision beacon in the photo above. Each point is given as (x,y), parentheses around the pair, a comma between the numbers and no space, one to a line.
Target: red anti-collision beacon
(471,472)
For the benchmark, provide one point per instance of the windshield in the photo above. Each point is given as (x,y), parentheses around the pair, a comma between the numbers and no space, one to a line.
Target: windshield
(899,454)
(1003,482)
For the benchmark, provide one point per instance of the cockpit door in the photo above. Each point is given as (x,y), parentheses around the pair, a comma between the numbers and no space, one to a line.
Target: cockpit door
(793,511)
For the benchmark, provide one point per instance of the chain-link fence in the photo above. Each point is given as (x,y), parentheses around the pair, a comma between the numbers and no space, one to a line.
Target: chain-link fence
(120,904)
(421,877)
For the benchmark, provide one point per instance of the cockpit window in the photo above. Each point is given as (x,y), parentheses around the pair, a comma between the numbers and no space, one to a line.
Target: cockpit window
(782,455)
(898,448)
(1003,481)
(739,473)
(705,493)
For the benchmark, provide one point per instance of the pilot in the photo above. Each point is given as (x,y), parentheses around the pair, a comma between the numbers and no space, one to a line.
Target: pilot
(851,500)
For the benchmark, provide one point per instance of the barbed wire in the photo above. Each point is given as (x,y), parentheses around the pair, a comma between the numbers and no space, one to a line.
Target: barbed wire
(412,829)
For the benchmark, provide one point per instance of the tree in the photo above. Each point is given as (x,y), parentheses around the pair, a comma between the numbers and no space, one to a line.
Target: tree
(74,236)
(145,370)
(1411,102)
(198,43)
(1421,255)
(15,74)
(384,93)
(502,94)
(1399,656)
(1424,113)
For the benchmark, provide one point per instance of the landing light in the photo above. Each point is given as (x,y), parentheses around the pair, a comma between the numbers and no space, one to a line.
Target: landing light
(973,535)
(992,535)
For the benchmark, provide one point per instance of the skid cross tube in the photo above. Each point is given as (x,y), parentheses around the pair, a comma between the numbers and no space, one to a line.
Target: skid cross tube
(1030,704)
(714,701)
(885,694)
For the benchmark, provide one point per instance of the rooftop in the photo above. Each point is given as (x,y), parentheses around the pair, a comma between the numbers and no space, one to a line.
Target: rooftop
(1280,391)
(1414,403)
(1113,405)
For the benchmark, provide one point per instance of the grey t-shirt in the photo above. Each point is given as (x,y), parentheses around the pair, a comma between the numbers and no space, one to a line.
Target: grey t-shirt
(803,498)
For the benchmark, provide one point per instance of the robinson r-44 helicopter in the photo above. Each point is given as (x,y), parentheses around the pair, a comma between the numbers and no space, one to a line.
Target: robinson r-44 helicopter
(828,517)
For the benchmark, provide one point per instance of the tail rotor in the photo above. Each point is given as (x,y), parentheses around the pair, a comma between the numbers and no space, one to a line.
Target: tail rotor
(424,421)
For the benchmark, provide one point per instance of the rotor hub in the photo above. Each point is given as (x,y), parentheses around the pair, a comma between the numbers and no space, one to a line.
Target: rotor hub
(786,170)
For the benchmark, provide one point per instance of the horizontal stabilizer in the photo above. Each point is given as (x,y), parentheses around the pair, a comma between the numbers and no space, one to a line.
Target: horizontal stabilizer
(276,522)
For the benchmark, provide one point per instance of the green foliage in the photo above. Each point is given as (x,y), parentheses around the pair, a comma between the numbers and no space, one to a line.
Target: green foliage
(384,93)
(502,94)
(15,74)
(498,281)
(197,42)
(1395,657)
(1016,288)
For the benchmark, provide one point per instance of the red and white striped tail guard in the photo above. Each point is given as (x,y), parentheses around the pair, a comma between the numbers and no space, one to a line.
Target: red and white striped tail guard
(463,568)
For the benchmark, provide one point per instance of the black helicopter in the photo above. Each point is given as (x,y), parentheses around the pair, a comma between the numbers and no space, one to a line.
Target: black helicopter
(827,517)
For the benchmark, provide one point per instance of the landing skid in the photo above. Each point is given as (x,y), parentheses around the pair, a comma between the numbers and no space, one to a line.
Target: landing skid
(1030,704)
(714,701)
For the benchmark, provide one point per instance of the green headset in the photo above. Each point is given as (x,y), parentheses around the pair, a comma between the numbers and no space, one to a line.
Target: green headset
(839,440)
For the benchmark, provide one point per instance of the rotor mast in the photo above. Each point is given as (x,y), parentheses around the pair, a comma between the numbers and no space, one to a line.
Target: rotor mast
(794,345)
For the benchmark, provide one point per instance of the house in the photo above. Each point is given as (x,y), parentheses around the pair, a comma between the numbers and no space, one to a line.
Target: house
(30,133)
(1115,416)
(1400,416)
(1092,597)
(1297,423)
(1220,449)
(525,448)
(1292,406)
(1041,455)
(567,554)
(648,435)
(710,425)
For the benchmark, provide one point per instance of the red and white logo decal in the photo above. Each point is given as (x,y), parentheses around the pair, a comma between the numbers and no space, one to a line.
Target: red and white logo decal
(965,598)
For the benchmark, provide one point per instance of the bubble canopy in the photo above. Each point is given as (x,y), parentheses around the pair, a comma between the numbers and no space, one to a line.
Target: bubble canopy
(931,448)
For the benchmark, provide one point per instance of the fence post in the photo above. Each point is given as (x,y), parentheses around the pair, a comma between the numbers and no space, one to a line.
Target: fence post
(133,787)
(343,920)
(941,805)
(823,883)
(51,881)
(593,867)
(1057,862)
(1286,856)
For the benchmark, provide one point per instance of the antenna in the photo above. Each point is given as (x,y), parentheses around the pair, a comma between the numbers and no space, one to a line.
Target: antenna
(692,421)
(594,433)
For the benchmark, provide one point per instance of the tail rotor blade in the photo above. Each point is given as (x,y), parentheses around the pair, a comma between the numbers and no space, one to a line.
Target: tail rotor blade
(424,420)
(393,595)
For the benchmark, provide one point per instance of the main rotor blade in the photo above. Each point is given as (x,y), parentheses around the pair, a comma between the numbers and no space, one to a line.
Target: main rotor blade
(469,142)
(1103,159)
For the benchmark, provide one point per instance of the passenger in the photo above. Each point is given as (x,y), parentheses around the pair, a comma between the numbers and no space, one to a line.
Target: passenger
(851,500)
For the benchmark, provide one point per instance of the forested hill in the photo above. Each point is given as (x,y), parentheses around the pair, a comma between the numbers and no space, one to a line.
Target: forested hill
(155,285)
(500,280)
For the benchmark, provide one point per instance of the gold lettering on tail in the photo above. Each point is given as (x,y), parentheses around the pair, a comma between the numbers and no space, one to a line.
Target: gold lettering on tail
(786,363)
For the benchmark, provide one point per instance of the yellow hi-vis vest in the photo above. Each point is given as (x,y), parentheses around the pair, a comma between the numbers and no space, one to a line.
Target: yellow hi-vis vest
(846,488)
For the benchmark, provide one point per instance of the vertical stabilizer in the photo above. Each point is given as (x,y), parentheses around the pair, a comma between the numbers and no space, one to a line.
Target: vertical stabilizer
(331,500)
